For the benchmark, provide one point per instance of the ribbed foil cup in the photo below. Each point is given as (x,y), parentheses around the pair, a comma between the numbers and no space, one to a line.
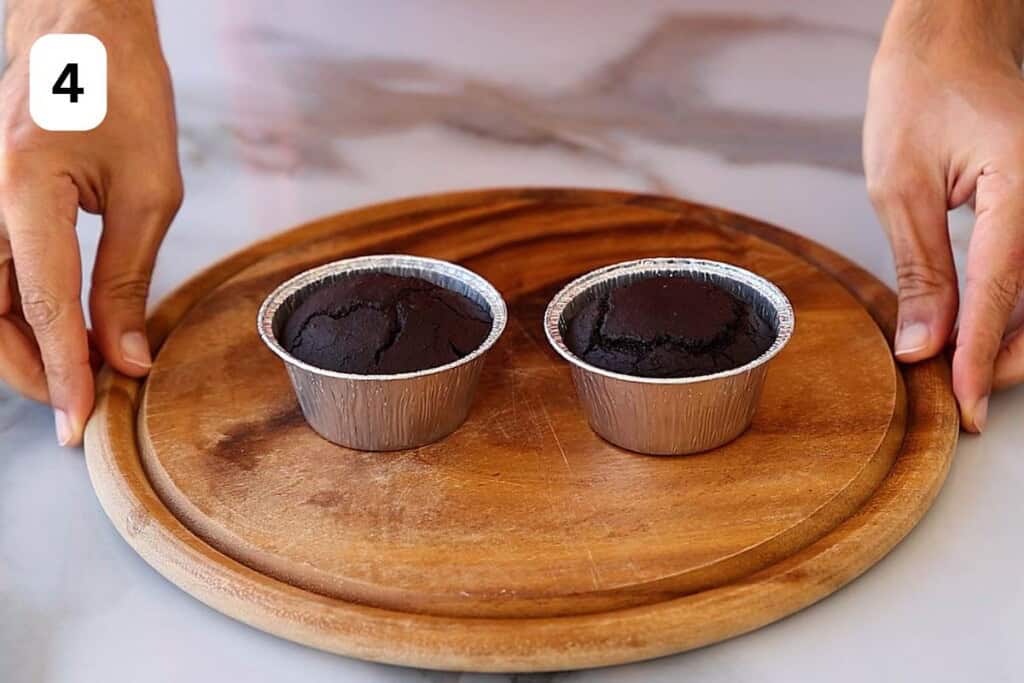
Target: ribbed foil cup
(383,412)
(670,416)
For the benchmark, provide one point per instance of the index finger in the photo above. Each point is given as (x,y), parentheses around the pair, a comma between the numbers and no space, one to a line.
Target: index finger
(39,212)
(995,275)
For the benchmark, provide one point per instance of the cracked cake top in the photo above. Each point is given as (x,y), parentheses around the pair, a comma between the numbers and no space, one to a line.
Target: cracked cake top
(667,326)
(378,324)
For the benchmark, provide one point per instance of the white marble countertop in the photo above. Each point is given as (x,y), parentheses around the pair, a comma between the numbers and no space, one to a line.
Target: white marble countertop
(292,110)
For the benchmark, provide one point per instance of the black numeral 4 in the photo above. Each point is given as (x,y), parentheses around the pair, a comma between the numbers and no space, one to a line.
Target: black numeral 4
(67,83)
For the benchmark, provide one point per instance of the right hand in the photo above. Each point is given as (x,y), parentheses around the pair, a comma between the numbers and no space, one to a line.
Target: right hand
(126,169)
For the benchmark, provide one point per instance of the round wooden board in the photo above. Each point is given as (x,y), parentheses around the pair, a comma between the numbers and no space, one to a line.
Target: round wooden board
(522,541)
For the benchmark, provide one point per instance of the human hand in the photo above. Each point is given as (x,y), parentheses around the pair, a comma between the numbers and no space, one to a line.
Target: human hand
(126,170)
(944,126)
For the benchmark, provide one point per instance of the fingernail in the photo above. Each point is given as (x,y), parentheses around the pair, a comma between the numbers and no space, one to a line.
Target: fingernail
(981,414)
(135,349)
(911,338)
(65,431)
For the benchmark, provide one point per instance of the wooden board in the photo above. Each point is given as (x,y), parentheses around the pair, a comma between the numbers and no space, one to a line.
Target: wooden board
(522,541)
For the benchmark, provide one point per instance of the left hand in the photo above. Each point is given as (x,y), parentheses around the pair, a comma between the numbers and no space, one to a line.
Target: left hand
(944,126)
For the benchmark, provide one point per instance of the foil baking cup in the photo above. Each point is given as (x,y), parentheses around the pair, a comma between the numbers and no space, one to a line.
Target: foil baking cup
(670,416)
(383,412)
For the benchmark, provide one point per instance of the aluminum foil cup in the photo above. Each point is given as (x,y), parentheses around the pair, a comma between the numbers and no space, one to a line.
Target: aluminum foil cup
(669,416)
(384,412)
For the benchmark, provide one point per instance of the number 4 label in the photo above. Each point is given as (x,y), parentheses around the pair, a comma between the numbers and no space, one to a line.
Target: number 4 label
(68,81)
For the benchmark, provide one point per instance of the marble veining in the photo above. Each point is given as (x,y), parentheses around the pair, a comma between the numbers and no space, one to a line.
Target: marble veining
(653,91)
(292,110)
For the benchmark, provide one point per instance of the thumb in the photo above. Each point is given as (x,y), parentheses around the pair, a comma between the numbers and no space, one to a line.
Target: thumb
(915,221)
(132,234)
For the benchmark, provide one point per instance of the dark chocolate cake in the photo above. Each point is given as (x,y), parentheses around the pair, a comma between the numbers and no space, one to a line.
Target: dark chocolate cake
(377,324)
(667,326)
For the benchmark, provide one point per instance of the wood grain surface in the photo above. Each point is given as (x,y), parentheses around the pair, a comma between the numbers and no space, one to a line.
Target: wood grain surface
(522,541)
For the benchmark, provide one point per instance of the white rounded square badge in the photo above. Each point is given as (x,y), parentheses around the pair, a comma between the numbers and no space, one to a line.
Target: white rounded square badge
(67,75)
